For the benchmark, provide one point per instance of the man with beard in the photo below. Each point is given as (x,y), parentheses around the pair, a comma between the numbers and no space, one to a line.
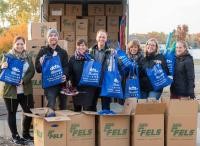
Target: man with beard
(54,49)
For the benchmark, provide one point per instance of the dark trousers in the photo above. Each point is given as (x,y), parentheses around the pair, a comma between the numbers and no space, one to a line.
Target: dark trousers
(105,101)
(79,108)
(26,103)
(51,94)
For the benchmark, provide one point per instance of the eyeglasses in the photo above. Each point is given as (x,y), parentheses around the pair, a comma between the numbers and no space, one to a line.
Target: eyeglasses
(152,45)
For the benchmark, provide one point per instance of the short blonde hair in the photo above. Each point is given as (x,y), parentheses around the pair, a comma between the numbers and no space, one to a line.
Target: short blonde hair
(102,30)
(134,43)
(184,43)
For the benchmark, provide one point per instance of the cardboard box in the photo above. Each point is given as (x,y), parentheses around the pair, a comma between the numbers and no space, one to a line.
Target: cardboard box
(181,123)
(113,24)
(70,38)
(39,30)
(80,129)
(90,23)
(114,130)
(100,23)
(114,10)
(56,9)
(96,10)
(91,39)
(55,19)
(78,37)
(68,24)
(113,39)
(48,131)
(63,44)
(148,125)
(38,101)
(82,27)
(73,10)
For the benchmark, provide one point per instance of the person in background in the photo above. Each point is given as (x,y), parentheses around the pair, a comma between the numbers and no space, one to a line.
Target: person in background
(152,57)
(184,77)
(54,49)
(85,99)
(101,52)
(22,94)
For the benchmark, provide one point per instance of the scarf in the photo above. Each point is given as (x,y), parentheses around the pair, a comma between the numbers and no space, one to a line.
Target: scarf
(22,55)
(79,55)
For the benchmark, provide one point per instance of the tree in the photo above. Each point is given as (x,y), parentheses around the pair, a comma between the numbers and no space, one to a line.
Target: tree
(3,9)
(20,11)
(181,32)
(8,36)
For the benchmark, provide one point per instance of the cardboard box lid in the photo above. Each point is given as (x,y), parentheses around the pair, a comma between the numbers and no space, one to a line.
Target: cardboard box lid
(57,119)
(67,113)
(150,108)
(182,107)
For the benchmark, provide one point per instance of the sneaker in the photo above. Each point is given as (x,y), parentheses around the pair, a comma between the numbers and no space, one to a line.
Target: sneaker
(18,140)
(69,90)
(27,137)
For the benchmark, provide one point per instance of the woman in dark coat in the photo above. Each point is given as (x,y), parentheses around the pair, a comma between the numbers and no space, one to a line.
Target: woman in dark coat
(152,57)
(85,99)
(183,80)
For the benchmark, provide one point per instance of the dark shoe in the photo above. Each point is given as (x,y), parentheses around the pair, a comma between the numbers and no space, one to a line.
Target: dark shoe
(71,91)
(27,137)
(18,140)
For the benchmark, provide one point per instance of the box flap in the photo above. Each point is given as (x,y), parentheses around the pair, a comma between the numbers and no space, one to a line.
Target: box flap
(57,119)
(67,113)
(32,115)
(90,113)
(150,108)
(182,107)
(39,111)
(129,105)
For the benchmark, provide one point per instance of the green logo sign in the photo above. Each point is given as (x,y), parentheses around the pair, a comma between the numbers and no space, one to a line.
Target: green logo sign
(53,135)
(179,131)
(76,131)
(148,132)
(112,132)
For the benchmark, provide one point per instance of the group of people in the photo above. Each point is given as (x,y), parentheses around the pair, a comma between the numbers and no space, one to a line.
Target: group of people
(86,99)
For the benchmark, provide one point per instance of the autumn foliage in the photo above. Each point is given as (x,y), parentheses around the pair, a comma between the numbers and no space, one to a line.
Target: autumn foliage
(8,36)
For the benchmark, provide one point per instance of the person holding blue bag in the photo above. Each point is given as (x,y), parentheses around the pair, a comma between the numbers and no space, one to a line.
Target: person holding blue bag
(54,60)
(101,53)
(21,94)
(85,99)
(184,76)
(152,59)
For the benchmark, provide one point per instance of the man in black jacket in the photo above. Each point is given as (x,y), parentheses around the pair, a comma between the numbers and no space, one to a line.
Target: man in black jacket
(54,49)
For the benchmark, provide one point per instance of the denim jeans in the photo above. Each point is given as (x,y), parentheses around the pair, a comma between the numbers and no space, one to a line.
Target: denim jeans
(51,94)
(155,94)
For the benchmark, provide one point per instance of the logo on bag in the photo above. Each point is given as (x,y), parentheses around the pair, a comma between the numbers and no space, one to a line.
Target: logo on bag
(132,88)
(15,69)
(116,81)
(54,67)
(53,135)
(76,131)
(114,132)
(178,131)
(145,131)
(93,70)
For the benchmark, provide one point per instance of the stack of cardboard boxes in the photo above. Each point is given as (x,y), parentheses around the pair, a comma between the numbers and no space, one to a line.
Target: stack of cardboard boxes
(73,24)
(170,123)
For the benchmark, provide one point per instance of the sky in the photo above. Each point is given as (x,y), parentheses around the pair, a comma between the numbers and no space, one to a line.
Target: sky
(163,15)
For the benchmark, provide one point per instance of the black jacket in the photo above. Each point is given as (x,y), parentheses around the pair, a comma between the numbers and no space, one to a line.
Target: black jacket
(86,96)
(149,62)
(184,76)
(48,50)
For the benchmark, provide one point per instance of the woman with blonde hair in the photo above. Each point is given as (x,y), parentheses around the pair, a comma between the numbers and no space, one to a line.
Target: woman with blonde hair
(183,80)
(152,57)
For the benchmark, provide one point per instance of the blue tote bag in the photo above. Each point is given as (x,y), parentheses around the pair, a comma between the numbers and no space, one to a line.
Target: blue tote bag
(158,77)
(111,85)
(52,71)
(91,73)
(132,88)
(13,73)
(124,61)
